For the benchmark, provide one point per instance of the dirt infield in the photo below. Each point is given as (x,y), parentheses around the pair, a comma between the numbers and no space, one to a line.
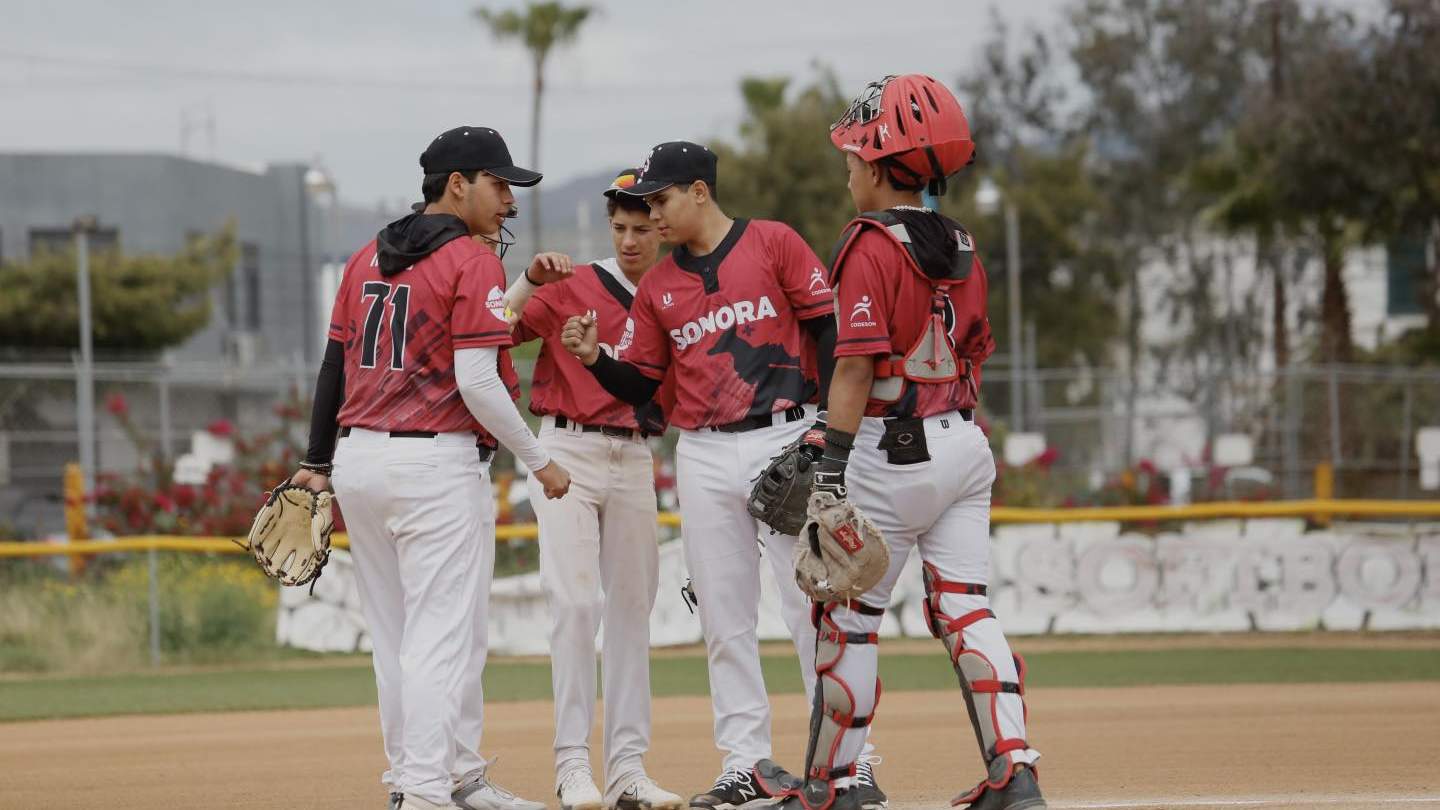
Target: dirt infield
(1335,746)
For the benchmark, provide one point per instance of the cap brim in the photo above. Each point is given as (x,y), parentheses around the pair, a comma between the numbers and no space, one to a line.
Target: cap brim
(645,188)
(516,176)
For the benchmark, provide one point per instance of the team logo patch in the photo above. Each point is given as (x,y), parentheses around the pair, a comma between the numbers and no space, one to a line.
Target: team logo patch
(495,302)
(860,313)
(666,301)
(817,282)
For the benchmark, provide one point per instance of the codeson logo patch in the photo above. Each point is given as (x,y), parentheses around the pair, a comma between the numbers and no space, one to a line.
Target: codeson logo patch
(718,320)
(860,313)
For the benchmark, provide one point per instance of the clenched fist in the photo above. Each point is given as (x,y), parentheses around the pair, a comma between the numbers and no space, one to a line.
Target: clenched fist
(580,337)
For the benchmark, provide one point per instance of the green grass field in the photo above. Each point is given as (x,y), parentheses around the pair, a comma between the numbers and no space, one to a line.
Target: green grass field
(351,683)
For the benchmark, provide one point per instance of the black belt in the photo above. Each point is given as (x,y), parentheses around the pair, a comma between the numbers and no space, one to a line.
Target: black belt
(968,414)
(794,414)
(608,430)
(485,450)
(400,434)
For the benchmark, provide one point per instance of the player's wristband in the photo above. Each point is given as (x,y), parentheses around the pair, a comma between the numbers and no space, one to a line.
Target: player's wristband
(323,468)
(838,444)
(532,281)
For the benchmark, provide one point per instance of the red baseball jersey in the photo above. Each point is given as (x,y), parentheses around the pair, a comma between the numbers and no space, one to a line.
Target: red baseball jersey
(882,306)
(401,333)
(728,324)
(561,385)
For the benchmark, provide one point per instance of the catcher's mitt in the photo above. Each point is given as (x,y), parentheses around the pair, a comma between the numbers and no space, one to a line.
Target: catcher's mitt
(841,554)
(290,538)
(780,494)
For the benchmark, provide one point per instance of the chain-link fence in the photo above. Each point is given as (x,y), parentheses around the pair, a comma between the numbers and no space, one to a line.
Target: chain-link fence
(1361,419)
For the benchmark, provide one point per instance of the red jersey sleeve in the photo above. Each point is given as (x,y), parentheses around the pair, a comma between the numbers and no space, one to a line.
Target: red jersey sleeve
(540,318)
(478,317)
(801,274)
(866,301)
(340,312)
(648,351)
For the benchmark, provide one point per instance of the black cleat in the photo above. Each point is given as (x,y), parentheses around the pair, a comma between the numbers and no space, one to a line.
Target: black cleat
(867,791)
(1022,792)
(734,789)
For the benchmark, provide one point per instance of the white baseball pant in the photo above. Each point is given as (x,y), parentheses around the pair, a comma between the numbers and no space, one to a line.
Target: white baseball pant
(417,512)
(942,507)
(714,472)
(599,562)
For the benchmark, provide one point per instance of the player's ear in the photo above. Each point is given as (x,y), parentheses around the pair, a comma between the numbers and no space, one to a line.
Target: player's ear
(876,174)
(699,192)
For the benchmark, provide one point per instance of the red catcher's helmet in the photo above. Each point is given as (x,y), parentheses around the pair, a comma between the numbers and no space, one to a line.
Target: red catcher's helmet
(912,124)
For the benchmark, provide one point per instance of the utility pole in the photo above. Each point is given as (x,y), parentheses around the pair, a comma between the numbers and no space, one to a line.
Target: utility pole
(85,374)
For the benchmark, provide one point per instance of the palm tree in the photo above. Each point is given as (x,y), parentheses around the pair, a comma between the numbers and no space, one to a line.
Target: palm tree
(539,27)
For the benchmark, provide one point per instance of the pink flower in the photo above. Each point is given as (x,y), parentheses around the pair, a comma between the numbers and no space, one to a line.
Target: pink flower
(221,428)
(116,404)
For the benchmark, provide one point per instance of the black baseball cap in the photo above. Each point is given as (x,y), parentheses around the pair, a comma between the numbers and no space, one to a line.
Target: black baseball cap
(672,163)
(465,149)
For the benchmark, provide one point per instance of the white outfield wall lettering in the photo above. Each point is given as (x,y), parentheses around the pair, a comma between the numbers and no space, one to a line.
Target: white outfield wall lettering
(1215,576)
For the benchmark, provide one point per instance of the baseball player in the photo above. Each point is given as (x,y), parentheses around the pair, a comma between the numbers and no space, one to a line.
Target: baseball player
(414,357)
(901,441)
(599,558)
(736,311)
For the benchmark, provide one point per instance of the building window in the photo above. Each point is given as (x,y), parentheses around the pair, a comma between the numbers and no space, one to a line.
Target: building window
(60,240)
(250,283)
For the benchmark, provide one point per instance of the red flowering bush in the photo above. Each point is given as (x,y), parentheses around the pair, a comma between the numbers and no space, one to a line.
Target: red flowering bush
(150,501)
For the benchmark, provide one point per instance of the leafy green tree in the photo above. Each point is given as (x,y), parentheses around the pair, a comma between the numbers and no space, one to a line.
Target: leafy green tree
(1070,279)
(784,166)
(139,303)
(540,27)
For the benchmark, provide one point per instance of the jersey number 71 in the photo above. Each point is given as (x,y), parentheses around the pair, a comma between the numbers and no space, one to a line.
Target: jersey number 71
(378,292)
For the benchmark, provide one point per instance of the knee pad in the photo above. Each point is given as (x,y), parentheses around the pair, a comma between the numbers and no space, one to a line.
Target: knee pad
(980,682)
(834,710)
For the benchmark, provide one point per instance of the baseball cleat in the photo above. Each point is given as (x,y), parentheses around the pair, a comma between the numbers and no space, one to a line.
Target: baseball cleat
(644,794)
(737,790)
(867,791)
(477,792)
(577,791)
(1022,792)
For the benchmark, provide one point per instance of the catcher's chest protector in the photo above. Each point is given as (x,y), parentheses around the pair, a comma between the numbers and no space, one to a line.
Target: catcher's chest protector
(932,359)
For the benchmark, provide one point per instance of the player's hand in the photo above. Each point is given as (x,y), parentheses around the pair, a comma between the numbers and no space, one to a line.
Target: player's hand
(581,338)
(548,267)
(314,481)
(554,478)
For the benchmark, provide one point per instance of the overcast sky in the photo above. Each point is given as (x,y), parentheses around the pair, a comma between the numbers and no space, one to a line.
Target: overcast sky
(362,86)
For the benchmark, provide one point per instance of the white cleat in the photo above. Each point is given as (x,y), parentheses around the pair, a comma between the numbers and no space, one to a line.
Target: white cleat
(477,792)
(577,791)
(644,794)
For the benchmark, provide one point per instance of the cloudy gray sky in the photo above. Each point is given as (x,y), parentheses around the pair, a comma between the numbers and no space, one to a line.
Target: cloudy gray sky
(362,85)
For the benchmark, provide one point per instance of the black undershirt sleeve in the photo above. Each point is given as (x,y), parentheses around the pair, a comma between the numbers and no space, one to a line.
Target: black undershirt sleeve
(823,330)
(623,381)
(329,394)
